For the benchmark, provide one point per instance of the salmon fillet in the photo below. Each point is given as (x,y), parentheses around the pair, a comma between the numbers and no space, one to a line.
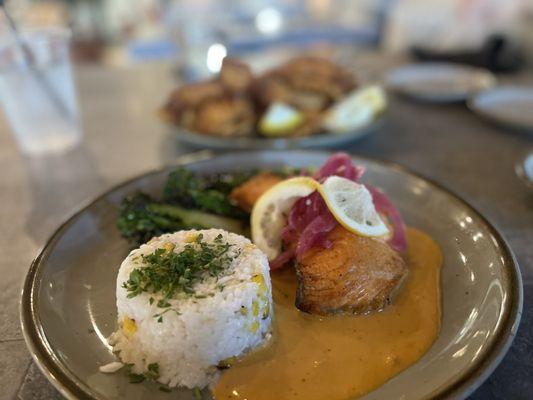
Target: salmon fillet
(249,192)
(355,275)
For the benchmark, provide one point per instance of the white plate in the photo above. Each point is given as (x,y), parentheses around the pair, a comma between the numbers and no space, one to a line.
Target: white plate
(509,106)
(439,82)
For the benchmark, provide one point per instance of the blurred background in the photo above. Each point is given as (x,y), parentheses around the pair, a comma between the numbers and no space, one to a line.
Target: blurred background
(197,34)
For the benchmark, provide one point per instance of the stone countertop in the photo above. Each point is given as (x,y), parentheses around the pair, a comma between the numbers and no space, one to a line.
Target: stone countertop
(124,138)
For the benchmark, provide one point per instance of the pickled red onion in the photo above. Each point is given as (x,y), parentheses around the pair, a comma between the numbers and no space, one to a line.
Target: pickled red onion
(310,220)
(339,164)
(384,206)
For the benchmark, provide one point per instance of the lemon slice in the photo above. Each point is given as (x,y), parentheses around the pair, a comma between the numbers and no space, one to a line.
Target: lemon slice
(269,215)
(350,203)
(280,119)
(356,110)
(375,97)
(352,206)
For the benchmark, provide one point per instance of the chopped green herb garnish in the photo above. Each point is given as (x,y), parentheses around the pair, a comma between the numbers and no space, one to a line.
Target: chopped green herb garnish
(197,393)
(136,378)
(159,316)
(163,303)
(153,371)
(151,300)
(170,273)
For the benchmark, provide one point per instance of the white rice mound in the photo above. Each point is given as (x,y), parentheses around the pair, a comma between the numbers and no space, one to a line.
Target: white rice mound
(233,318)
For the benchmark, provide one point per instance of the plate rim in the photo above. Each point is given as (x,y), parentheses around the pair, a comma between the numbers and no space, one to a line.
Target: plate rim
(463,386)
(315,141)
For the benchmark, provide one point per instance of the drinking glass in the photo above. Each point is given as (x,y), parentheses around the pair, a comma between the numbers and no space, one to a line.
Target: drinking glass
(37,90)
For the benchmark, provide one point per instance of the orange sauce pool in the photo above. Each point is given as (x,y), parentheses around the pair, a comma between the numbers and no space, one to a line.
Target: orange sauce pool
(341,357)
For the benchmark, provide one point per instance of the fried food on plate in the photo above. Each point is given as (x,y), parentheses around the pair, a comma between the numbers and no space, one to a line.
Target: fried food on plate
(247,194)
(225,117)
(216,107)
(235,76)
(307,83)
(309,86)
(184,101)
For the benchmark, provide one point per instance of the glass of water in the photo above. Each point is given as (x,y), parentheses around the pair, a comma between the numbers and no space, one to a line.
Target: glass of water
(37,90)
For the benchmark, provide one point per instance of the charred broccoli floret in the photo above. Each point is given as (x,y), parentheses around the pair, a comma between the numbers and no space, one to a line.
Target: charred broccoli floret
(205,193)
(141,218)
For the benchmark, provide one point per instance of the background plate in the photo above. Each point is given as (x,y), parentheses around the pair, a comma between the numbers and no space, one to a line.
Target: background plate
(321,140)
(439,82)
(508,106)
(524,169)
(68,300)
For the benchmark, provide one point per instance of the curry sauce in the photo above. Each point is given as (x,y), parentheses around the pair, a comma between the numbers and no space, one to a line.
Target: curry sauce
(339,357)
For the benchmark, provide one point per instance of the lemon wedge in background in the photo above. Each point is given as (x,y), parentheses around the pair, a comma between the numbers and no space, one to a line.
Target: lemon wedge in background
(269,215)
(375,97)
(352,206)
(358,109)
(280,119)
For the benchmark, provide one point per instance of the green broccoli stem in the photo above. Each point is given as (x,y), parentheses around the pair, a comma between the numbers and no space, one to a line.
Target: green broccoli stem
(196,219)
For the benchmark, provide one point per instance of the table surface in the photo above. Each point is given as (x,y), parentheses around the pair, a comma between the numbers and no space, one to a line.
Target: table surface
(122,138)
